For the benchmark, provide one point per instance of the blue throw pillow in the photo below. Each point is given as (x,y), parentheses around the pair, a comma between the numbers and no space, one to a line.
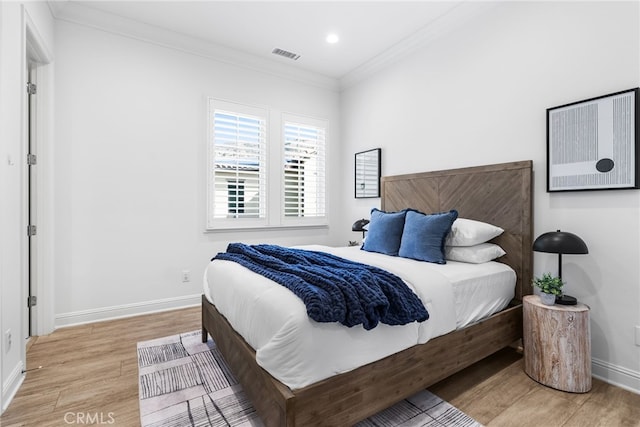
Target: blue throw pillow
(424,235)
(385,232)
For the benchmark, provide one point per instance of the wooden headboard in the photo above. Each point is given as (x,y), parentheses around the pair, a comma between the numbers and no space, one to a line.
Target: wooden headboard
(499,194)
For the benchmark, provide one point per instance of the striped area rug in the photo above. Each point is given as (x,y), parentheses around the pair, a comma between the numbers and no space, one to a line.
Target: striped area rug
(183,382)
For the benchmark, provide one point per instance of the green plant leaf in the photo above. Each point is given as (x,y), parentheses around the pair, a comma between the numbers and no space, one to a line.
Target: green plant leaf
(549,284)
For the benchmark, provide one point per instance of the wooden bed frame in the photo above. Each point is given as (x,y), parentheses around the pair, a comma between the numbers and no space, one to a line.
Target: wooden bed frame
(499,194)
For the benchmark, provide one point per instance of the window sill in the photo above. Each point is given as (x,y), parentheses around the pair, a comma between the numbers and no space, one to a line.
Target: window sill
(266,228)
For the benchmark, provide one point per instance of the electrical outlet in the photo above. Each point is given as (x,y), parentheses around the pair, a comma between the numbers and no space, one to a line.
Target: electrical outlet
(186,276)
(638,335)
(7,341)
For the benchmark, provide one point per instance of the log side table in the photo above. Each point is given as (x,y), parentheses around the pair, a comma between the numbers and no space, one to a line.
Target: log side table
(557,344)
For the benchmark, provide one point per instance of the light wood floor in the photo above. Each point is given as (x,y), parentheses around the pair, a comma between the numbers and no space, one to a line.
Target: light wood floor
(92,369)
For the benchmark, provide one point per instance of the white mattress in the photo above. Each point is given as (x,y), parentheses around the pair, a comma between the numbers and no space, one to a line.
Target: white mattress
(299,351)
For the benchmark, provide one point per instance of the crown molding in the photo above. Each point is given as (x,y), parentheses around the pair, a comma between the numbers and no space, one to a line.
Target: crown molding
(64,10)
(98,19)
(453,19)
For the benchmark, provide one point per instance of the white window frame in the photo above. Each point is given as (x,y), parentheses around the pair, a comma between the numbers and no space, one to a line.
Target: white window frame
(321,219)
(274,178)
(213,223)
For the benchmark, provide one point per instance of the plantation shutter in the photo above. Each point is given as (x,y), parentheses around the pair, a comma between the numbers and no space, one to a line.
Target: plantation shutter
(238,161)
(304,171)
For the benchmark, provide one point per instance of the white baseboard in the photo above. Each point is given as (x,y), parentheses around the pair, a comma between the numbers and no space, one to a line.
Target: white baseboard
(616,375)
(11,386)
(127,310)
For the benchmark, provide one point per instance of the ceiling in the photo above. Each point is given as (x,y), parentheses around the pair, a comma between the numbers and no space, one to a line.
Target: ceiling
(367,29)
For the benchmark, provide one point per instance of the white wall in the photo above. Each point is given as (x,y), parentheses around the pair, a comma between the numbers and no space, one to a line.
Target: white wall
(14,18)
(479,95)
(130,160)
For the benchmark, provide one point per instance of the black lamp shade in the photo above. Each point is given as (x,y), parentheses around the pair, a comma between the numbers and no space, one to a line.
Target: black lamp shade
(560,242)
(359,225)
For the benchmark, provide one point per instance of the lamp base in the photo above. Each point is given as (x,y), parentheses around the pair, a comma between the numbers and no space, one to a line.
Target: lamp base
(566,300)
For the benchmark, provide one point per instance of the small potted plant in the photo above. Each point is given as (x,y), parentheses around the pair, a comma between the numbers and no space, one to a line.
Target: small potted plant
(550,288)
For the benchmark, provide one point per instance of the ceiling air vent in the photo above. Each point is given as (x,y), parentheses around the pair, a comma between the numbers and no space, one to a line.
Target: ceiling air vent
(286,54)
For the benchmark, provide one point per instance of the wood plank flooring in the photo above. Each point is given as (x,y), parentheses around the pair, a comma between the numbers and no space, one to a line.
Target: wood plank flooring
(89,375)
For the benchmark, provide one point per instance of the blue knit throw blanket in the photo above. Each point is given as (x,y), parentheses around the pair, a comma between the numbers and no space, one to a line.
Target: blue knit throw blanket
(333,289)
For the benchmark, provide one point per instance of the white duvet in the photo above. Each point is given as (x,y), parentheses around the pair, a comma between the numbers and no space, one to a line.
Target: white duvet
(299,351)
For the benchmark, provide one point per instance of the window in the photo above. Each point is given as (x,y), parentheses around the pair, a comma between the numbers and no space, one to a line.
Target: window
(235,198)
(248,188)
(237,165)
(304,170)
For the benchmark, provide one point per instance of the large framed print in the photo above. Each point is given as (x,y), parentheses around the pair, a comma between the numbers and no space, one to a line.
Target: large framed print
(593,144)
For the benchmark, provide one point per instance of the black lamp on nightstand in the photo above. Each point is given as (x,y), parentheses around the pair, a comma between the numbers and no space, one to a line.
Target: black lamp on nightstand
(561,242)
(359,225)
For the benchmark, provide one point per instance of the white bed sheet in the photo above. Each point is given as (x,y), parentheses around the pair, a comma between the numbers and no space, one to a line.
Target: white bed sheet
(479,290)
(299,351)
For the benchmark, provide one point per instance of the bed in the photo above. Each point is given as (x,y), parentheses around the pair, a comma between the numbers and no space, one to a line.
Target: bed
(498,194)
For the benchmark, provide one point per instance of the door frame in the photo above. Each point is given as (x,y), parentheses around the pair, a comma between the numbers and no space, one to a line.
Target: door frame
(40,57)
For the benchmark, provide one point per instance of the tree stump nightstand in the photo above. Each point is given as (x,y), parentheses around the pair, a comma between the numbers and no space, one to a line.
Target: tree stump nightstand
(557,344)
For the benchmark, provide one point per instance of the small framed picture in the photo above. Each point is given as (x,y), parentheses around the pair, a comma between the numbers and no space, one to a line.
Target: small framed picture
(593,144)
(367,173)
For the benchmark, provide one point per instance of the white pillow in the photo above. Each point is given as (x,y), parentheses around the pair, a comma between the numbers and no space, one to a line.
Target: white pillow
(469,232)
(477,254)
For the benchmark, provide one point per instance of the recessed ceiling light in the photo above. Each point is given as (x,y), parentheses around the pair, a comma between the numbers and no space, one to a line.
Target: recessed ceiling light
(332,38)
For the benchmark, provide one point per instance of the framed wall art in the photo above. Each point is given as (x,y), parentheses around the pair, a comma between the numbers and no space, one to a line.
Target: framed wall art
(367,173)
(593,144)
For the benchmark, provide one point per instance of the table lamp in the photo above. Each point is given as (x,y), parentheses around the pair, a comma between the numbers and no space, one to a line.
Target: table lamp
(359,225)
(561,242)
